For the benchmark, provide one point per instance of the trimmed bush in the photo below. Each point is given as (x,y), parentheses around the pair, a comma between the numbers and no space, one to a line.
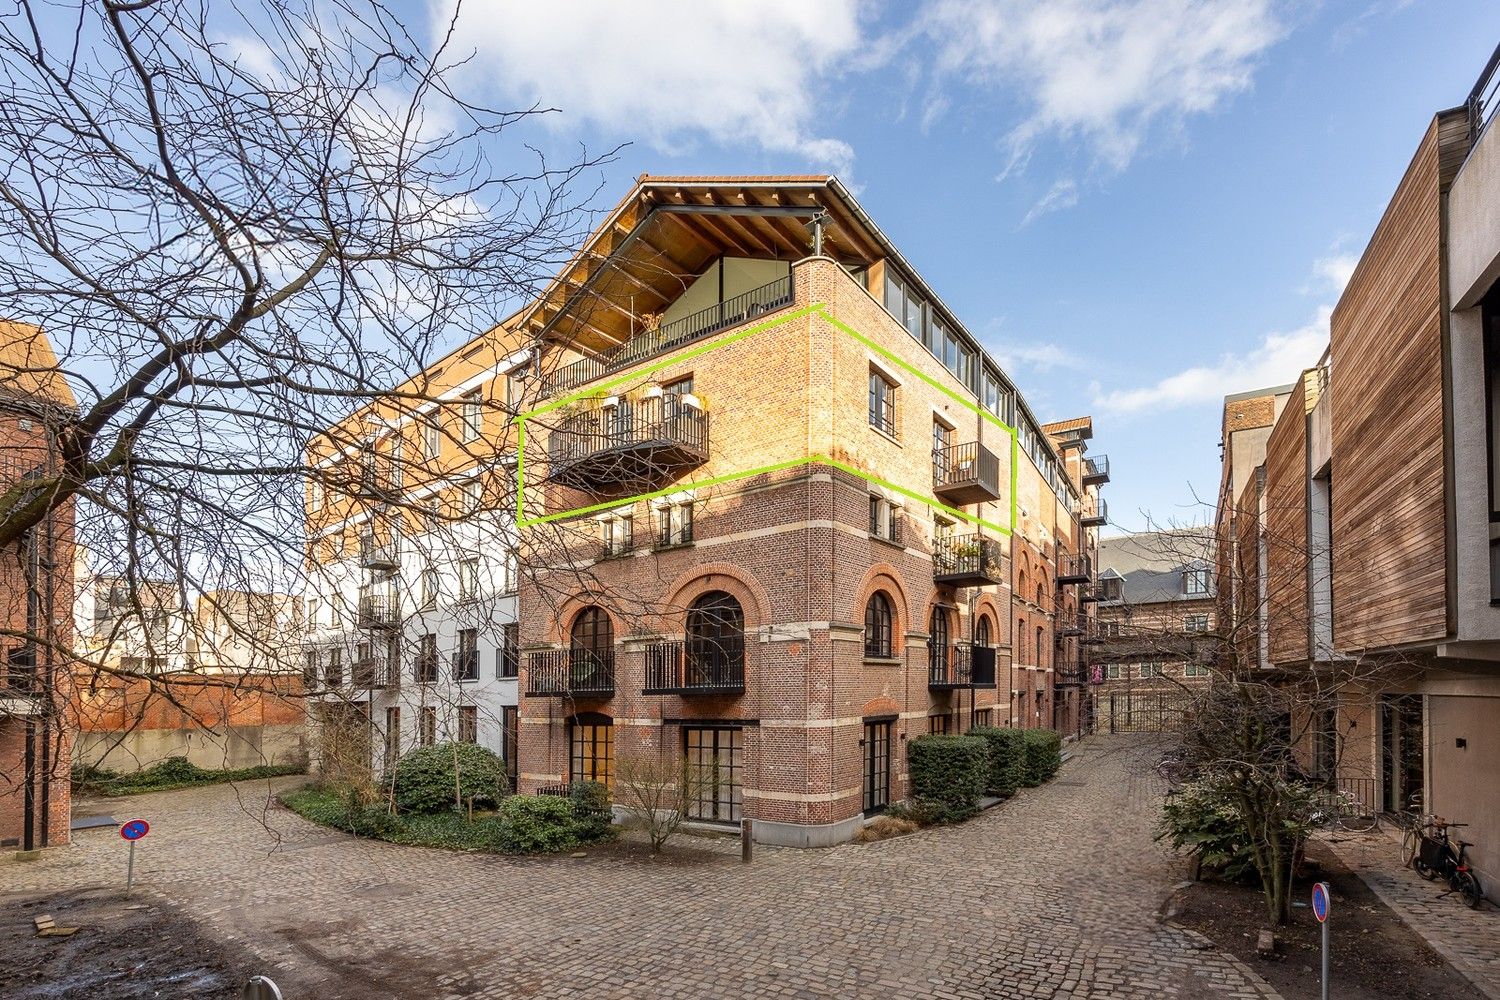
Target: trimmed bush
(1043,755)
(592,810)
(1007,759)
(424,781)
(537,824)
(949,774)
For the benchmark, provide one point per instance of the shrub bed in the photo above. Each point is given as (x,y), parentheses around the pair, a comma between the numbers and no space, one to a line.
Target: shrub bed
(426,782)
(1007,759)
(165,775)
(1043,755)
(948,775)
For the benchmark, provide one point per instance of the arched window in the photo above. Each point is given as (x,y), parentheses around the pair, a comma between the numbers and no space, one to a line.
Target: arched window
(1041,596)
(937,646)
(715,639)
(1041,658)
(982,631)
(1021,584)
(592,642)
(878,618)
(1020,640)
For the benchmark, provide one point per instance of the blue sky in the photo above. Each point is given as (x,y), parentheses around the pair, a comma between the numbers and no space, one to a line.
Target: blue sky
(1138,205)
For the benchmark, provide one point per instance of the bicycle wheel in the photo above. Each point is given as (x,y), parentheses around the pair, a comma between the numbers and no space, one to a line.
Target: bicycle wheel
(1359,822)
(1409,843)
(1468,887)
(1423,869)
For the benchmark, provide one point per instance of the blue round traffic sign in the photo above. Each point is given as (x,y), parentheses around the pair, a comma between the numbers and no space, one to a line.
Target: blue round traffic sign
(135,829)
(1320,901)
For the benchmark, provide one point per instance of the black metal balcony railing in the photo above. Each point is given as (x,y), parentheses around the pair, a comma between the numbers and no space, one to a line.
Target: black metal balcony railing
(966,473)
(379,611)
(1068,671)
(373,674)
(1074,569)
(1095,469)
(627,441)
(1094,513)
(960,666)
(731,312)
(694,668)
(577,673)
(967,560)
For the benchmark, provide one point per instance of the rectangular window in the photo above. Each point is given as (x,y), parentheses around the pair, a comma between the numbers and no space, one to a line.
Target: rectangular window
(1195,623)
(1195,670)
(937,725)
(593,753)
(432,436)
(468,579)
(427,659)
(1151,670)
(1195,582)
(509,731)
(619,535)
(429,588)
(1114,671)
(427,726)
(982,718)
(882,403)
(473,416)
(315,492)
(310,669)
(715,756)
(468,724)
(466,660)
(674,524)
(334,676)
(885,520)
(508,656)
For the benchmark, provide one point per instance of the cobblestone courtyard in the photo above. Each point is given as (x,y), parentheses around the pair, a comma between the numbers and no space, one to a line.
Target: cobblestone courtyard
(1052,894)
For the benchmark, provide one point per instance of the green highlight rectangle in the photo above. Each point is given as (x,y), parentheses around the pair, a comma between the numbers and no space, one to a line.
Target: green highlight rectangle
(817,308)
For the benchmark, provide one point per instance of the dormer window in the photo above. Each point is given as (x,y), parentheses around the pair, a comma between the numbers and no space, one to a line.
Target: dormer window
(1195,583)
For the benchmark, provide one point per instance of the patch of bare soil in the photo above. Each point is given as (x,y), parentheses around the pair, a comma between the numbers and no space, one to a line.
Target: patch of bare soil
(1374,956)
(125,949)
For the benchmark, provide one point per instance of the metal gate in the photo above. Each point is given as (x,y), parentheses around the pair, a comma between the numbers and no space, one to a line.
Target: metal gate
(1142,711)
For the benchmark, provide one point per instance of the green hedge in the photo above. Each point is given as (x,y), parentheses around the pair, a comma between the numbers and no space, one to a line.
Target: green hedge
(949,774)
(168,774)
(424,781)
(1043,755)
(1007,758)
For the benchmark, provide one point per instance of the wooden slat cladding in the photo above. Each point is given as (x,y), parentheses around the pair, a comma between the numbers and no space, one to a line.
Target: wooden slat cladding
(1286,532)
(1387,407)
(1247,602)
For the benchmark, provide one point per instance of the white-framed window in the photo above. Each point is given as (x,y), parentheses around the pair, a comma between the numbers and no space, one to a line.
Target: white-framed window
(882,402)
(429,587)
(432,436)
(1195,670)
(1195,582)
(885,519)
(510,572)
(315,491)
(618,534)
(1150,670)
(312,612)
(473,416)
(468,579)
(674,524)
(1114,671)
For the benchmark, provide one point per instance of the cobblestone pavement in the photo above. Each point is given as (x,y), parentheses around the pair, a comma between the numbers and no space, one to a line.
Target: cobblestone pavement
(1052,894)
(1468,939)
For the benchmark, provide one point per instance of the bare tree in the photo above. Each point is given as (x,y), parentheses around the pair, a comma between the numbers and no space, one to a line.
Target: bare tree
(660,793)
(244,228)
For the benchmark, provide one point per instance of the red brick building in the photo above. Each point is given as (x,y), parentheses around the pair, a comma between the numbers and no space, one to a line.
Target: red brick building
(36,600)
(792,515)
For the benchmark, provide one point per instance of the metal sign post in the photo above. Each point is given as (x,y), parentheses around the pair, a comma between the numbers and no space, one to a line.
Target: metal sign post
(133,831)
(1320,907)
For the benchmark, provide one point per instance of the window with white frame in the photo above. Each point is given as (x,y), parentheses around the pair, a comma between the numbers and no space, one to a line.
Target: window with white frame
(885,519)
(510,572)
(618,534)
(473,416)
(468,579)
(1195,582)
(1151,669)
(432,436)
(1114,671)
(1195,670)
(882,403)
(429,588)
(674,524)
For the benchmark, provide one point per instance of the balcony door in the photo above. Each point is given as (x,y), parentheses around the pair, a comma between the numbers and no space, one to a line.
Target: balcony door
(714,755)
(592,749)
(592,642)
(877,766)
(715,640)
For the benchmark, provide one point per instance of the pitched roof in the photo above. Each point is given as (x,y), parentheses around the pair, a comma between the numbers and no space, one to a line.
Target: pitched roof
(1152,562)
(29,369)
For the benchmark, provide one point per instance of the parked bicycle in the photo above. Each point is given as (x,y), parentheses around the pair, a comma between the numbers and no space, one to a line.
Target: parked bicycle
(1175,768)
(1436,858)
(1342,810)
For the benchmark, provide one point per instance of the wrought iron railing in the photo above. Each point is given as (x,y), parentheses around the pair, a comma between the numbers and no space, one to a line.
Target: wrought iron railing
(673,335)
(1093,512)
(1095,467)
(374,673)
(694,667)
(574,672)
(968,556)
(960,665)
(1074,568)
(379,611)
(655,420)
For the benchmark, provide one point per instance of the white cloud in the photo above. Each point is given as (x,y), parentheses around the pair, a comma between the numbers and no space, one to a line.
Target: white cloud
(672,72)
(1279,359)
(1062,195)
(1336,269)
(1037,356)
(1103,72)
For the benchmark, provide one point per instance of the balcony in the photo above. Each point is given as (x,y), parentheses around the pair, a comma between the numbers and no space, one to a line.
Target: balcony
(967,561)
(1094,513)
(378,611)
(1095,470)
(1073,569)
(1070,672)
(965,473)
(952,667)
(374,674)
(385,557)
(570,673)
(703,323)
(694,668)
(620,443)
